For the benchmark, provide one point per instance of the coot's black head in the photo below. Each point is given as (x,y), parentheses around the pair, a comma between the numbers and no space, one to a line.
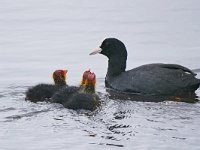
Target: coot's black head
(111,47)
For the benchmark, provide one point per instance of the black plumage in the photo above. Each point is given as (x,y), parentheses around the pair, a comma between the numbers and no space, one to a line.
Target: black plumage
(82,97)
(150,79)
(43,92)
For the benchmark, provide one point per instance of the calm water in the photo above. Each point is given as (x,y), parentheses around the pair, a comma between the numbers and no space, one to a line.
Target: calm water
(39,36)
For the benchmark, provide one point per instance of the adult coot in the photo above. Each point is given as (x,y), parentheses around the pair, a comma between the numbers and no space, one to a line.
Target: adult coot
(82,97)
(150,79)
(42,92)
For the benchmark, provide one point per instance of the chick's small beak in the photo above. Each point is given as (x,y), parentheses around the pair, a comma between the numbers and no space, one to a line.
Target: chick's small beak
(96,51)
(65,71)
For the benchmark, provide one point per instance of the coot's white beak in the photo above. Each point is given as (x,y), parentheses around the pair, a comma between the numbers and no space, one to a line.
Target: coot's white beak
(96,51)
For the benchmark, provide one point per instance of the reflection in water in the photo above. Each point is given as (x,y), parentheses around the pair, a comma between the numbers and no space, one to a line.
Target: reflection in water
(108,144)
(30,114)
(117,123)
(151,98)
(7,109)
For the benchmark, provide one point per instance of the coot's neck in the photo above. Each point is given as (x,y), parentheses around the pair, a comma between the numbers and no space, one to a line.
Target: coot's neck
(89,88)
(60,82)
(116,65)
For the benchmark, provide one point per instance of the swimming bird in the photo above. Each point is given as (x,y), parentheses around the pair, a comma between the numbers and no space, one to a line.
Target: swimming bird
(149,79)
(82,97)
(42,92)
(63,95)
(84,78)
(86,99)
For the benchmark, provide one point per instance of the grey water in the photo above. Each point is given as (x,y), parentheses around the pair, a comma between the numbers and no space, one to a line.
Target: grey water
(40,36)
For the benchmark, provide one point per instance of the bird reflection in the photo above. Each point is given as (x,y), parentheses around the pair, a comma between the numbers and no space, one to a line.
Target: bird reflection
(117,95)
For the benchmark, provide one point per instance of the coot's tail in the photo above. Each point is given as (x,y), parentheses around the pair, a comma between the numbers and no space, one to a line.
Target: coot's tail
(194,87)
(196,70)
(190,90)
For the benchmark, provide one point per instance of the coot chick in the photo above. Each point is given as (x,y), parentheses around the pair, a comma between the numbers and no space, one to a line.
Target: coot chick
(64,94)
(86,99)
(42,92)
(84,78)
(82,97)
(150,79)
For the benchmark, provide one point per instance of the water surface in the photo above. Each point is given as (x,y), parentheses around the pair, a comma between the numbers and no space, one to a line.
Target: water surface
(40,36)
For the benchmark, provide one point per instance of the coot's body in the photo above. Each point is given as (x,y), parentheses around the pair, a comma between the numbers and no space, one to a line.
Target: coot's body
(82,97)
(156,79)
(82,101)
(75,98)
(151,79)
(41,92)
(65,94)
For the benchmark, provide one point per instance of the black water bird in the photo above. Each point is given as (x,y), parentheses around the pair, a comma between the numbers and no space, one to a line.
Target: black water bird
(63,95)
(82,97)
(149,79)
(43,92)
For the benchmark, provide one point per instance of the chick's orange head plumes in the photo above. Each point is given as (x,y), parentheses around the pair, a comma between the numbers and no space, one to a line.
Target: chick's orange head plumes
(65,73)
(85,76)
(90,83)
(59,76)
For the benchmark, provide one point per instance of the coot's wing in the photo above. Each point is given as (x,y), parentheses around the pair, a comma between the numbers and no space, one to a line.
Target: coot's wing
(175,66)
(156,79)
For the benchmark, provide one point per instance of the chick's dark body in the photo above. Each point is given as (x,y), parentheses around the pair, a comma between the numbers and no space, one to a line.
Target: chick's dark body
(42,92)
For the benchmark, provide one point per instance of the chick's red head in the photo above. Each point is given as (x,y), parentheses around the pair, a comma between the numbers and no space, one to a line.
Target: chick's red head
(85,74)
(84,77)
(59,75)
